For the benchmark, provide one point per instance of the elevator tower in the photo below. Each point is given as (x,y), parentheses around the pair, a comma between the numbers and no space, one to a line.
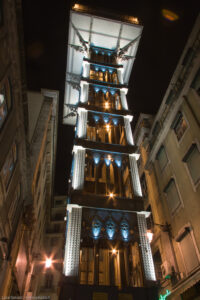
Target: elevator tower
(107,252)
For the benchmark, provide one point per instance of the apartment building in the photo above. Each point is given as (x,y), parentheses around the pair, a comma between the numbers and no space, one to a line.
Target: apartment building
(170,174)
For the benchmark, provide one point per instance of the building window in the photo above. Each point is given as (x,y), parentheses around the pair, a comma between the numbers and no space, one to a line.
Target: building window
(162,158)
(5,101)
(187,248)
(144,185)
(157,264)
(9,166)
(196,82)
(192,159)
(173,198)
(179,125)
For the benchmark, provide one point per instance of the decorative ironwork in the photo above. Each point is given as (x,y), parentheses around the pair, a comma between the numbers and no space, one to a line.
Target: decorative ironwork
(110,228)
(77,48)
(124,228)
(73,111)
(82,41)
(96,228)
(123,50)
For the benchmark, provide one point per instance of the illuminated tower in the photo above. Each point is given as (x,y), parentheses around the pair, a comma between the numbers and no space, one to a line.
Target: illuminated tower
(106,248)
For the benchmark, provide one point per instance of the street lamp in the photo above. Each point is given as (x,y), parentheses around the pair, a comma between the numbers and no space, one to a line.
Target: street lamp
(48,263)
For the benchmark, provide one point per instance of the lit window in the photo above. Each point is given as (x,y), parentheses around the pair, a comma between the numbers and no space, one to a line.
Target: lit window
(5,101)
(196,82)
(9,165)
(187,248)
(179,125)
(173,198)
(3,109)
(162,158)
(192,159)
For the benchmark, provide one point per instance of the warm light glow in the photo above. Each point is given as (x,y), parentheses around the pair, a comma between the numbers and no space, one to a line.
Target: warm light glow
(107,127)
(134,20)
(48,262)
(169,15)
(111,195)
(114,251)
(149,236)
(106,105)
(76,6)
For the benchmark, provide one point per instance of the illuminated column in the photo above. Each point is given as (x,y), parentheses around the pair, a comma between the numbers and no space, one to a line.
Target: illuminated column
(82,122)
(135,175)
(73,234)
(84,92)
(149,270)
(129,135)
(123,99)
(79,166)
(120,78)
(86,69)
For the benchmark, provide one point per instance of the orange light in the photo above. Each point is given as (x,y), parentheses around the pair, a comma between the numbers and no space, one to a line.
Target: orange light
(48,262)
(111,195)
(169,15)
(149,236)
(106,105)
(107,127)
(76,6)
(114,251)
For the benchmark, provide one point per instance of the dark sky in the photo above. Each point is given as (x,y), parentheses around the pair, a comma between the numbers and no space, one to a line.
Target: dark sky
(162,42)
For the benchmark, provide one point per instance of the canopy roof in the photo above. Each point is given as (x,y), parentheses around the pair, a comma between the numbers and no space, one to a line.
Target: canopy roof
(85,30)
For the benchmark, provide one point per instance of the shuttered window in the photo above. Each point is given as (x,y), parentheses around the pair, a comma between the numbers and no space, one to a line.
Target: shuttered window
(192,159)
(162,158)
(173,198)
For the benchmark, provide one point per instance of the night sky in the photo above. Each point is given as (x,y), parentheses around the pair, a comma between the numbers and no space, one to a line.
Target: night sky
(162,42)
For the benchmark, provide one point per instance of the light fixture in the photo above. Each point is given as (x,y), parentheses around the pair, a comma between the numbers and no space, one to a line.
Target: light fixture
(111,195)
(106,105)
(114,251)
(150,235)
(107,127)
(48,262)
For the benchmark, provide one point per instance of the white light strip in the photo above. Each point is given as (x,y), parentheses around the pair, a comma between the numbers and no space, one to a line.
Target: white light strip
(79,166)
(119,73)
(86,69)
(123,99)
(84,91)
(135,176)
(72,245)
(129,135)
(82,122)
(148,264)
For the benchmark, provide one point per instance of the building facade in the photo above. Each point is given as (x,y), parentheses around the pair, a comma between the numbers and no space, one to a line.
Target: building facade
(107,251)
(169,167)
(28,134)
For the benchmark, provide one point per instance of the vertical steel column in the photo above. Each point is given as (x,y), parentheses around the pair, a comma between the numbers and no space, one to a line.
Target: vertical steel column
(129,135)
(135,176)
(79,167)
(82,122)
(72,246)
(148,264)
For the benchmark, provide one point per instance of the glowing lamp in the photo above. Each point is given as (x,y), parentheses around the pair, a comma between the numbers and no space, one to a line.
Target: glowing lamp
(114,251)
(48,262)
(149,236)
(169,15)
(111,195)
(106,105)
(107,127)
